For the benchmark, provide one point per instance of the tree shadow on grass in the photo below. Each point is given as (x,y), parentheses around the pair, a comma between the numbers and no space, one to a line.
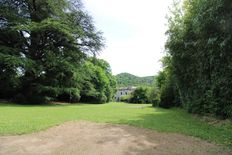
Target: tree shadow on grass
(29,105)
(55,104)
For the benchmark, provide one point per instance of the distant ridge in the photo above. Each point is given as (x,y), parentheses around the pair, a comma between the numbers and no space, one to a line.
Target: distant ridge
(127,79)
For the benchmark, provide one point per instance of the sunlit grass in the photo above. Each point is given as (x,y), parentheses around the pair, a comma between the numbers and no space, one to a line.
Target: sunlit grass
(18,119)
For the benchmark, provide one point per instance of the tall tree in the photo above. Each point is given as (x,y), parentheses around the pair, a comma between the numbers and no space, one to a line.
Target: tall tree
(99,85)
(12,46)
(199,42)
(55,37)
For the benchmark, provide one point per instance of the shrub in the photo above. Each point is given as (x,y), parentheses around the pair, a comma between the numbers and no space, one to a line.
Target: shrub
(126,98)
(140,95)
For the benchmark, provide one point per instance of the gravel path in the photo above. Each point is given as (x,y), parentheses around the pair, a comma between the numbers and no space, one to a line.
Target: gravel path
(87,138)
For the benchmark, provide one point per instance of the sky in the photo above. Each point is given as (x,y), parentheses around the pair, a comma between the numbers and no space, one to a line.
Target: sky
(134,32)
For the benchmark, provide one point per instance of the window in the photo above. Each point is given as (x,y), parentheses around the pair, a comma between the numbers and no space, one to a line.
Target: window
(121,93)
(126,93)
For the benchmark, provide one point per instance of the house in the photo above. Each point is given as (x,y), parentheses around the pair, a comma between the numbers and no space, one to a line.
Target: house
(123,91)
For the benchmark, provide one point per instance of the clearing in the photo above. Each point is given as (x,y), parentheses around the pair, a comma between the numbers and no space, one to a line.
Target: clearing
(119,129)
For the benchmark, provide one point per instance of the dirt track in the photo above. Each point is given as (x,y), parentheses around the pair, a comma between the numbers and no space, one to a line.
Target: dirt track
(86,138)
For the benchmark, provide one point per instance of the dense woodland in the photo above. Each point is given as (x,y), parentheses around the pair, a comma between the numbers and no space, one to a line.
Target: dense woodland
(47,53)
(198,66)
(126,79)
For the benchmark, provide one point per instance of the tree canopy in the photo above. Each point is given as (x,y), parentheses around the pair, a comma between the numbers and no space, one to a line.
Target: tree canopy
(44,46)
(199,49)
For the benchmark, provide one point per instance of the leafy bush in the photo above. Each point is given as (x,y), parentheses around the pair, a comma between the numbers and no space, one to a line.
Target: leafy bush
(167,96)
(140,95)
(126,98)
(69,96)
(164,92)
(99,85)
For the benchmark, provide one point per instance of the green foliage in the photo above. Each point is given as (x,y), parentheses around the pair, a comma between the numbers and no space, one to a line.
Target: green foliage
(10,62)
(154,95)
(126,80)
(16,119)
(199,42)
(126,98)
(99,84)
(164,92)
(140,95)
(44,50)
(168,96)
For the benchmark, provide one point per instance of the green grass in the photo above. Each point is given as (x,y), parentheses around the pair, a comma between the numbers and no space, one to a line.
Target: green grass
(18,119)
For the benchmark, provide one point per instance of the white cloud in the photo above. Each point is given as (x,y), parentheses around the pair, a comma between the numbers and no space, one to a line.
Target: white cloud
(134,32)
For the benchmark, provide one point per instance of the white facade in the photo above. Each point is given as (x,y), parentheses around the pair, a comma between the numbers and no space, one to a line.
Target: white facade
(123,91)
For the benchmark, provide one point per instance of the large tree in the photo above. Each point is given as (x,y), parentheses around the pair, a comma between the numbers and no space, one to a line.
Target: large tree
(200,36)
(99,85)
(43,45)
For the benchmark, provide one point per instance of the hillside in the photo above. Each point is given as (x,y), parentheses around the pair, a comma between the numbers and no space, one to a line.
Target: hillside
(126,79)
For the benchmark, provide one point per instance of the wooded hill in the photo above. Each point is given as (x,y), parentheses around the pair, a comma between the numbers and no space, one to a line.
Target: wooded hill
(126,79)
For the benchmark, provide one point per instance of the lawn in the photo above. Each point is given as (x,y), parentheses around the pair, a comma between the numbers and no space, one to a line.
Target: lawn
(18,119)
